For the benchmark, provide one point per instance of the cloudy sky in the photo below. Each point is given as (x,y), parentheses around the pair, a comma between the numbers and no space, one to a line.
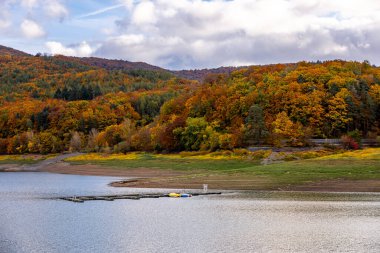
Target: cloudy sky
(183,34)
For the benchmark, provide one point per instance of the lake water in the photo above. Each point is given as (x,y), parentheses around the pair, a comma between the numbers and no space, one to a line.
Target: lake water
(232,222)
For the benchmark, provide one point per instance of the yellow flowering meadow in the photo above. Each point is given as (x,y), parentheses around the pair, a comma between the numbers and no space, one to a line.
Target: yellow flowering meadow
(369,153)
(364,154)
(199,156)
(104,157)
(24,158)
(139,156)
(10,157)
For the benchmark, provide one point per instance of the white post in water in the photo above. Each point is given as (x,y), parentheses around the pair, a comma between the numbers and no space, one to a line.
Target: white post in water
(205,187)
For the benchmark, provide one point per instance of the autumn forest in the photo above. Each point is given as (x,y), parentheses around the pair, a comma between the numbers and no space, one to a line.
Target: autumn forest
(51,104)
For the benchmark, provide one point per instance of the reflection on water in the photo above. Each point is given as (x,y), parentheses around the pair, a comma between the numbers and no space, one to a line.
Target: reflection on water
(237,222)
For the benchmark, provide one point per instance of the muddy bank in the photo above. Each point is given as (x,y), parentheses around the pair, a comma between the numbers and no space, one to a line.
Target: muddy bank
(226,182)
(35,163)
(10,168)
(216,182)
(97,170)
(340,185)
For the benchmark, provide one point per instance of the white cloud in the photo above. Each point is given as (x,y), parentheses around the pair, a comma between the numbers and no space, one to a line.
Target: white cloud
(55,9)
(127,40)
(127,3)
(32,15)
(80,50)
(195,33)
(29,3)
(4,23)
(144,14)
(198,33)
(31,29)
(38,8)
(5,20)
(138,47)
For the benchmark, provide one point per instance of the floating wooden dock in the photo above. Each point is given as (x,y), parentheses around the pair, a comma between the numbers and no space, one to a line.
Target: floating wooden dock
(81,199)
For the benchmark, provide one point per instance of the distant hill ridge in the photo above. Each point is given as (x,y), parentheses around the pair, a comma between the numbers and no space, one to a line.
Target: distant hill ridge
(196,74)
(118,64)
(10,51)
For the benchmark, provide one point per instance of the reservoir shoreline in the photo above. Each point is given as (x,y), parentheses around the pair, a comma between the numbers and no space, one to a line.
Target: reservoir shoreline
(167,179)
(355,171)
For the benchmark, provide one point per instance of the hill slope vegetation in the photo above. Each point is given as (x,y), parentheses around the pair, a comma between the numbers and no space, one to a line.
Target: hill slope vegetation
(55,103)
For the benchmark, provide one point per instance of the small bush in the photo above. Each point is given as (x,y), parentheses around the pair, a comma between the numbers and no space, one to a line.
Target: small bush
(355,135)
(309,154)
(260,154)
(122,147)
(241,152)
(349,143)
(291,157)
(226,153)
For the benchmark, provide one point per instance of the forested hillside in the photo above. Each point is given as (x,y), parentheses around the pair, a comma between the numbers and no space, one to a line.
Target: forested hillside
(10,51)
(51,104)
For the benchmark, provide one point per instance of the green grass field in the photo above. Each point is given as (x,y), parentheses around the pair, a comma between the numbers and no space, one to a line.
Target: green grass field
(306,171)
(235,170)
(21,159)
(183,164)
(356,165)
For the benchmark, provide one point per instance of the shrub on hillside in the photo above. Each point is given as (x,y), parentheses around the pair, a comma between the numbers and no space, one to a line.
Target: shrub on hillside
(349,142)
